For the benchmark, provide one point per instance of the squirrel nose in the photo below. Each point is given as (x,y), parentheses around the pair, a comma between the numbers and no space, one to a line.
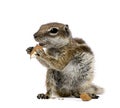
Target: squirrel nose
(35,35)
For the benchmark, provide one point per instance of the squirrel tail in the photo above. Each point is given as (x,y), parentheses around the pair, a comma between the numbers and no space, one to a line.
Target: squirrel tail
(97,89)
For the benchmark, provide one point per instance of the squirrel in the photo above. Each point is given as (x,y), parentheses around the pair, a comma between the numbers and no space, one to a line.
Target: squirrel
(69,62)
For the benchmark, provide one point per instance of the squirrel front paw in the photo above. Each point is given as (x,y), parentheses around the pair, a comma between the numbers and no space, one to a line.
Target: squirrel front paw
(29,50)
(37,51)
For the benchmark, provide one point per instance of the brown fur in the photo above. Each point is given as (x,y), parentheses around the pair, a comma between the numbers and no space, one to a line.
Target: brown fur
(67,53)
(79,41)
(70,62)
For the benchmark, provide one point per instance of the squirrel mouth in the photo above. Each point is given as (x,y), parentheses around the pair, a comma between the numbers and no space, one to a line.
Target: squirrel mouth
(41,44)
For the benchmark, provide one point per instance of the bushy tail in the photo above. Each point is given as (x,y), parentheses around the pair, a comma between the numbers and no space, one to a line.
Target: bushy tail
(97,89)
(93,89)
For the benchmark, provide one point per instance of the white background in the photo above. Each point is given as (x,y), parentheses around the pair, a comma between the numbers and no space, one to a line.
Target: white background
(21,79)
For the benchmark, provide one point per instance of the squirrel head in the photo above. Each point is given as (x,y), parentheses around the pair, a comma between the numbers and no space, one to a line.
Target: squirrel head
(53,35)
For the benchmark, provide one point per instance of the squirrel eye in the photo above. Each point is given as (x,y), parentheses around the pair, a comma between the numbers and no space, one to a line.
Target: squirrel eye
(54,30)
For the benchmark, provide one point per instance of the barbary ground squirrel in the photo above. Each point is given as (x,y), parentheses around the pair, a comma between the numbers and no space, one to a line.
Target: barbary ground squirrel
(69,62)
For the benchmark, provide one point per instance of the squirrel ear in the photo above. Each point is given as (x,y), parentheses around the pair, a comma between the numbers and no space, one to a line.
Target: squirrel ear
(66,28)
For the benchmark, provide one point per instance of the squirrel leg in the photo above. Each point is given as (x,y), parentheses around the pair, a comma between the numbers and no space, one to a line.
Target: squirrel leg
(49,85)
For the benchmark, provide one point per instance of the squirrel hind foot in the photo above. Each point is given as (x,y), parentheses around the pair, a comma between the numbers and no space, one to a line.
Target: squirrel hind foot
(94,96)
(88,97)
(42,96)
